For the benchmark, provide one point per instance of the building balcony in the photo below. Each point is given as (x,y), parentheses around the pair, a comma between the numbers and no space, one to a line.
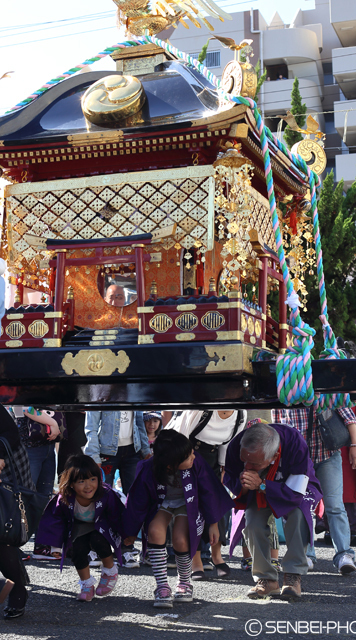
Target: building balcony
(343,19)
(345,166)
(345,118)
(276,95)
(344,65)
(291,46)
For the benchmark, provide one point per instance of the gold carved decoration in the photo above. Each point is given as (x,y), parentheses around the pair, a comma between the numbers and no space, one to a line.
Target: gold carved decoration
(312,153)
(99,362)
(113,99)
(15,330)
(213,320)
(95,137)
(52,342)
(2,330)
(229,335)
(186,307)
(243,322)
(186,322)
(289,339)
(14,344)
(258,328)
(251,326)
(249,80)
(185,337)
(161,323)
(149,339)
(235,358)
(38,328)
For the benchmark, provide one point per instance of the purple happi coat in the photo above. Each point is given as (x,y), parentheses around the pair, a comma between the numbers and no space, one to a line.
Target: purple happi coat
(205,498)
(56,525)
(295,460)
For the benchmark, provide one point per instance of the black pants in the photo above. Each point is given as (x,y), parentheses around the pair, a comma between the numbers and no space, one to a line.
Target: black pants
(75,421)
(92,541)
(11,566)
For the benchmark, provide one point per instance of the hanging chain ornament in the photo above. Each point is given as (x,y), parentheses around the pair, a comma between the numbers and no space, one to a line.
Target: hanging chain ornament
(297,239)
(234,206)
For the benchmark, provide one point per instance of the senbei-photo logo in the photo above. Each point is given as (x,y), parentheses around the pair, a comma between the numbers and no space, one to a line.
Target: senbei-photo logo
(255,627)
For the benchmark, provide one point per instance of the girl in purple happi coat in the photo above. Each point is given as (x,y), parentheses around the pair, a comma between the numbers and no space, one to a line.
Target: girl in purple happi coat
(87,516)
(176,484)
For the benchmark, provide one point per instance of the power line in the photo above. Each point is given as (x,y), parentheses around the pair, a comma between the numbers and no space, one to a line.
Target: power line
(65,20)
(59,26)
(63,35)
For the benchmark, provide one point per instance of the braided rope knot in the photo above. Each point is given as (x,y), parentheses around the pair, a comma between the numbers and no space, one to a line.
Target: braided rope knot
(294,375)
(330,352)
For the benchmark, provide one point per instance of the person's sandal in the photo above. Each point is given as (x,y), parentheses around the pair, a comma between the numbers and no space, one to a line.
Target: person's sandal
(222,569)
(198,575)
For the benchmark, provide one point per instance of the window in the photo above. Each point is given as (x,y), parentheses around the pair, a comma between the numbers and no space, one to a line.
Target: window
(212,59)
(328,73)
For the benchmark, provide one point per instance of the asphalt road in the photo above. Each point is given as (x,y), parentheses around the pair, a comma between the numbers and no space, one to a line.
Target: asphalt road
(220,608)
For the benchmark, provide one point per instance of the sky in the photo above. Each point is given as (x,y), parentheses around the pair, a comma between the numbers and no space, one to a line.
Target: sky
(41,39)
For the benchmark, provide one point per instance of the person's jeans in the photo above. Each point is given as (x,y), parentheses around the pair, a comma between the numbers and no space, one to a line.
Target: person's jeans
(125,461)
(329,474)
(43,467)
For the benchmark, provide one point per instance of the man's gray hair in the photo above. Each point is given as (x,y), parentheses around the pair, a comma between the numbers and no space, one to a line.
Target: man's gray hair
(261,437)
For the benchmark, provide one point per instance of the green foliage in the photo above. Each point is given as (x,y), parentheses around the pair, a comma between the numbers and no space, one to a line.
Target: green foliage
(337,218)
(261,79)
(299,111)
(202,54)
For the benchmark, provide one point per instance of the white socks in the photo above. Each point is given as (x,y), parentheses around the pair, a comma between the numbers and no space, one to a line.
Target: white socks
(109,572)
(90,582)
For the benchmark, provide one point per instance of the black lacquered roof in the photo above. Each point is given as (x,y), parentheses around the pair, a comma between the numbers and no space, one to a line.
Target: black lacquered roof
(175,94)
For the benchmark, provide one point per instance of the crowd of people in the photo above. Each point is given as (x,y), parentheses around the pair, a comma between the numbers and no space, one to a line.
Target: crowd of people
(186,483)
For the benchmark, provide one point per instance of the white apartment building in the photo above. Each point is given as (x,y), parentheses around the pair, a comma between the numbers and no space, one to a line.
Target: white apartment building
(318,47)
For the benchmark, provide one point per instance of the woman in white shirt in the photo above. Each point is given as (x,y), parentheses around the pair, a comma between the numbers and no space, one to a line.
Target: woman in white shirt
(210,433)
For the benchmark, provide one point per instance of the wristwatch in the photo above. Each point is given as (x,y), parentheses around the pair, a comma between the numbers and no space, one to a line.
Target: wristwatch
(262,486)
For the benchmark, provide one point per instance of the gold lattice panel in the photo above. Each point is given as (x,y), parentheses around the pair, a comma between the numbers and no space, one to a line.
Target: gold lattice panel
(261,220)
(113,206)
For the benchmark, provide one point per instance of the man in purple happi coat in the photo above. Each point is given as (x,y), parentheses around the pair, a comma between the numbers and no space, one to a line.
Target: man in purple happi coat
(269,470)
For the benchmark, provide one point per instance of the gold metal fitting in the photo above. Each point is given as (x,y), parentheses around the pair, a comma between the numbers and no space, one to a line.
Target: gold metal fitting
(153,290)
(113,99)
(211,284)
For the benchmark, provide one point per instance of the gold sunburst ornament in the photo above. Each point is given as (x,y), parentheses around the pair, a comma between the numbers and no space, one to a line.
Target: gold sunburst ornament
(141,17)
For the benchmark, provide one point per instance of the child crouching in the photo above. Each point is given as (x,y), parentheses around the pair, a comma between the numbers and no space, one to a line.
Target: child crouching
(86,515)
(174,484)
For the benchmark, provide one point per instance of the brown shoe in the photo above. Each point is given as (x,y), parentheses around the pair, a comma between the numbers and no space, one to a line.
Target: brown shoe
(292,586)
(264,588)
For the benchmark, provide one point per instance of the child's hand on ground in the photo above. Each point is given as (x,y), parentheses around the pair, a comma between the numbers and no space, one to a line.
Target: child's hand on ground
(130,540)
(214,534)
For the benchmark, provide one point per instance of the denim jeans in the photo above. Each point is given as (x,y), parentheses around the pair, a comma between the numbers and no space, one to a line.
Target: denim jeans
(125,461)
(329,474)
(43,467)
